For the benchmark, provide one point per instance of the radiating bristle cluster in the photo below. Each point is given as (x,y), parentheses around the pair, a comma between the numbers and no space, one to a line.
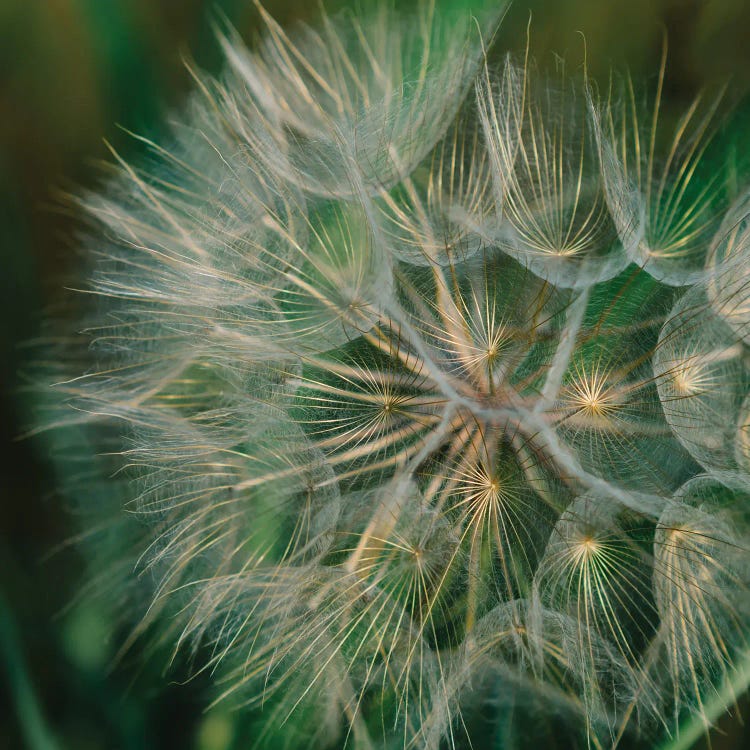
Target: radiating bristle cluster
(427,384)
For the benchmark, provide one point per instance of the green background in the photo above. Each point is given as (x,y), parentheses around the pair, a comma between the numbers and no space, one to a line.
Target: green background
(71,71)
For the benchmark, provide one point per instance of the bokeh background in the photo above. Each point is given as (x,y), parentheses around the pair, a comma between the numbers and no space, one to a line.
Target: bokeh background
(76,72)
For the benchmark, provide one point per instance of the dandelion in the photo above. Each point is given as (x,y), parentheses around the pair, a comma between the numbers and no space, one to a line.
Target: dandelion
(422,387)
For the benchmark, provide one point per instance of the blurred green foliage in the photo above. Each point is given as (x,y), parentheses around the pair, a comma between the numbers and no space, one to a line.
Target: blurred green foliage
(71,71)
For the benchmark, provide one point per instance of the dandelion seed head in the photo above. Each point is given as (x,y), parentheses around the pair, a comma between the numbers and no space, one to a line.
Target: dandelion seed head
(425,384)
